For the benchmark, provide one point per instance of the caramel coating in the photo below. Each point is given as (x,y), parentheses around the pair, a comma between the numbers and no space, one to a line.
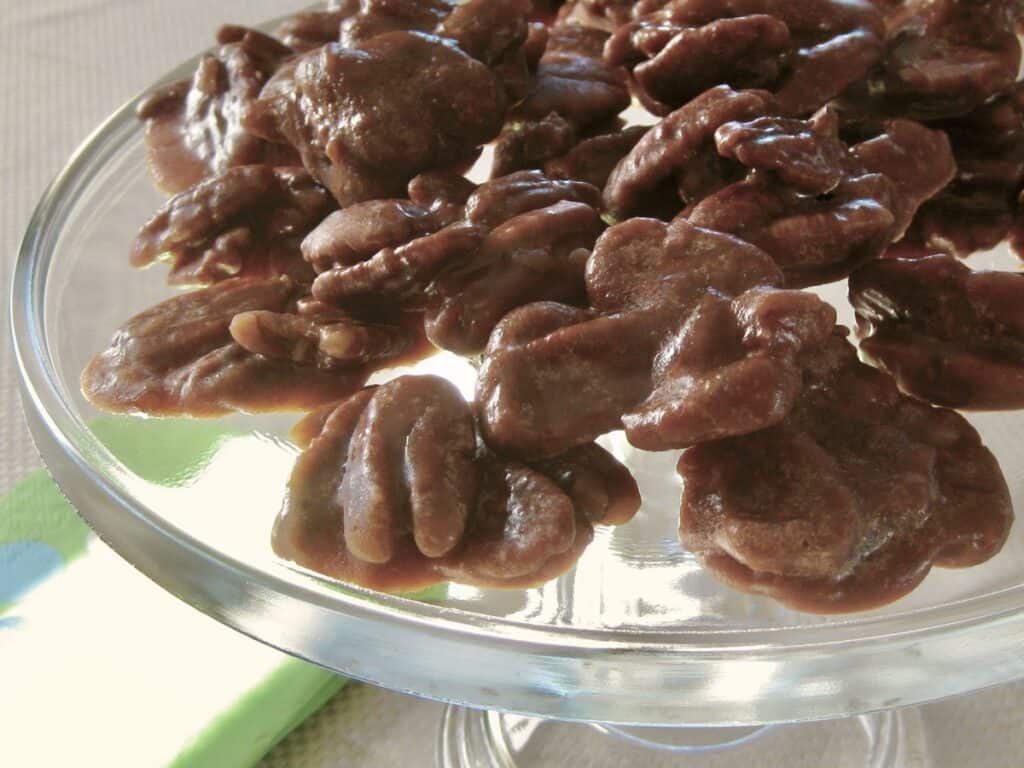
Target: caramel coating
(593,159)
(328,342)
(947,334)
(535,256)
(944,58)
(645,263)
(392,492)
(529,145)
(307,30)
(378,17)
(504,198)
(818,239)
(523,238)
(805,51)
(730,370)
(916,159)
(194,128)
(573,81)
(605,15)
(673,357)
(488,30)
(437,189)
(179,358)
(805,154)
(411,455)
(818,207)
(400,275)
(813,240)
(357,116)
(977,209)
(355,233)
(247,221)
(554,377)
(675,142)
(847,503)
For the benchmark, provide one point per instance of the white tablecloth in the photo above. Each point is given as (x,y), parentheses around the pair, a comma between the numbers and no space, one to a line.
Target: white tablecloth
(64,66)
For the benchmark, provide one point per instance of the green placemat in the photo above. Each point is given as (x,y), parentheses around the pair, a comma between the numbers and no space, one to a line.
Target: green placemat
(40,533)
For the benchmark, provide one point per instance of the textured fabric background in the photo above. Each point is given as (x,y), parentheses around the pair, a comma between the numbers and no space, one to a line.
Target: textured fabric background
(64,66)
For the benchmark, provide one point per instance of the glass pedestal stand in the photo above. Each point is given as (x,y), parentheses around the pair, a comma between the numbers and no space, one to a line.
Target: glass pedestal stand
(486,739)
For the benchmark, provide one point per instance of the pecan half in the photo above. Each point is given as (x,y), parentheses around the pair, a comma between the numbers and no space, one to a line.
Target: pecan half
(945,333)
(195,128)
(815,239)
(355,233)
(593,159)
(676,142)
(378,17)
(672,357)
(944,58)
(524,238)
(247,221)
(848,502)
(367,119)
(805,154)
(307,30)
(328,342)
(805,51)
(529,145)
(392,492)
(730,370)
(535,256)
(504,198)
(573,81)
(976,210)
(179,358)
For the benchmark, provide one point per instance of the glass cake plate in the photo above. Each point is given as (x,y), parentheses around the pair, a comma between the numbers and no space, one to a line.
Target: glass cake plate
(636,634)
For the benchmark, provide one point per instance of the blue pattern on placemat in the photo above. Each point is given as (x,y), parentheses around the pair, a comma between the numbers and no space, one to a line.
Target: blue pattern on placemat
(23,564)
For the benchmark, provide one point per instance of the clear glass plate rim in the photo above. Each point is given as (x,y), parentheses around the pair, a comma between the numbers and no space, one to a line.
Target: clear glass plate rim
(43,393)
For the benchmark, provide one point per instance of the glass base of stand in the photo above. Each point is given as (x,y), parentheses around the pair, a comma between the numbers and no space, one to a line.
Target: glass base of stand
(476,739)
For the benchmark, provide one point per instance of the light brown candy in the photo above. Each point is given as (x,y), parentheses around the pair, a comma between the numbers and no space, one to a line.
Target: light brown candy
(194,128)
(327,343)
(391,492)
(573,81)
(367,119)
(848,502)
(676,142)
(805,51)
(525,145)
(665,353)
(535,256)
(245,222)
(947,334)
(179,358)
(731,369)
(944,58)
